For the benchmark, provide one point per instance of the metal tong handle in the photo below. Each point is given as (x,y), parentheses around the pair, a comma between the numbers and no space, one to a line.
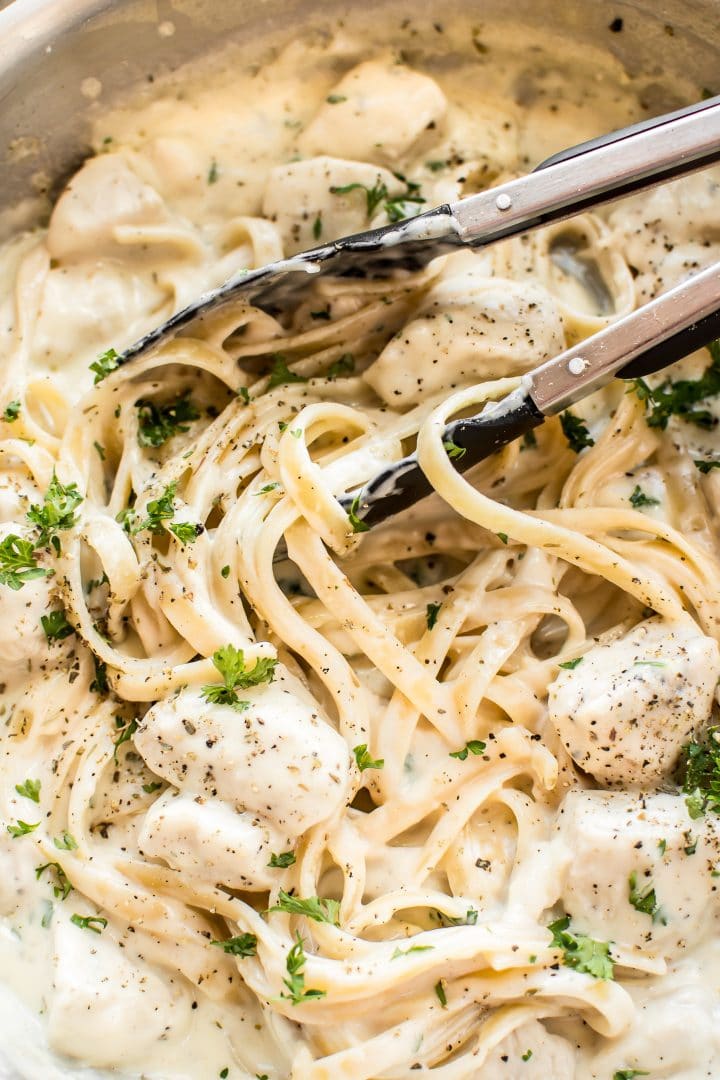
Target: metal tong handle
(591,173)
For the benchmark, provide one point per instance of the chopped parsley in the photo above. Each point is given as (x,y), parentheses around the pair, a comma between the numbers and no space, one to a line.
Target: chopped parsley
(639,498)
(62,886)
(691,843)
(158,510)
(644,900)
(18,562)
(29,789)
(243,945)
(345,365)
(100,683)
(629,1074)
(575,432)
(395,206)
(569,665)
(152,787)
(96,923)
(213,172)
(706,466)
(431,614)
(282,861)
(107,362)
(230,662)
(244,395)
(440,994)
(526,1056)
(580,952)
(358,525)
(65,842)
(57,513)
(317,227)
(662,846)
(503,537)
(127,729)
(295,964)
(158,423)
(268,487)
(56,626)
(187,532)
(280,373)
(454,451)
(680,398)
(413,948)
(11,413)
(313,907)
(475,746)
(470,918)
(22,828)
(364,760)
(225,572)
(700,775)
(335,99)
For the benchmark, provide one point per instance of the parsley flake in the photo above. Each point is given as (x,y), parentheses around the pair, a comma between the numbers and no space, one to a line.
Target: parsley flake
(363,759)
(187,532)
(158,423)
(56,626)
(708,465)
(440,994)
(580,952)
(475,746)
(127,730)
(243,945)
(62,887)
(575,432)
(280,373)
(65,842)
(57,513)
(413,949)
(639,498)
(22,828)
(295,964)
(344,365)
(107,362)
(629,1074)
(230,662)
(454,451)
(395,206)
(679,398)
(644,900)
(358,525)
(700,775)
(18,563)
(282,861)
(313,907)
(29,789)
(570,665)
(11,413)
(431,614)
(96,923)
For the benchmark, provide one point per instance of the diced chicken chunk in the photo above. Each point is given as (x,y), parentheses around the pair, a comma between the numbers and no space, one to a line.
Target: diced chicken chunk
(300,199)
(530,1053)
(469,328)
(106,1009)
(620,847)
(375,113)
(627,708)
(211,840)
(279,758)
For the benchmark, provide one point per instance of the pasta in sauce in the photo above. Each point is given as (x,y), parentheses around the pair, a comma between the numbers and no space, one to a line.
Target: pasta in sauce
(408,802)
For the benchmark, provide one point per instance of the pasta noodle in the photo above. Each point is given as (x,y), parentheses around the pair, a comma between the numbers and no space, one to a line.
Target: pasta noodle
(412,800)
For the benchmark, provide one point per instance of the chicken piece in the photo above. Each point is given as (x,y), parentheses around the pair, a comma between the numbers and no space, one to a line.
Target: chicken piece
(300,199)
(279,758)
(470,328)
(627,708)
(620,848)
(208,839)
(377,112)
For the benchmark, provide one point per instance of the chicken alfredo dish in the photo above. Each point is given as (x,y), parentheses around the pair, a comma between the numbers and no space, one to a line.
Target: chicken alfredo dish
(441,797)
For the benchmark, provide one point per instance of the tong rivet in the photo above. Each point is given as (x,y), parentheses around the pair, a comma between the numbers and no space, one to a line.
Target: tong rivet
(503,202)
(577,365)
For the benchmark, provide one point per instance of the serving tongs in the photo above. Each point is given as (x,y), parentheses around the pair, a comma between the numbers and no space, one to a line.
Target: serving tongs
(624,162)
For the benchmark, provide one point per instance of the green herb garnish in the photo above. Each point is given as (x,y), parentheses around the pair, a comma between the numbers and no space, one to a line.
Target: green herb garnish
(413,949)
(363,759)
(89,922)
(643,899)
(18,562)
(158,423)
(679,398)
(107,362)
(282,861)
(11,413)
(29,789)
(57,513)
(580,952)
(295,964)
(280,373)
(358,525)
(127,729)
(344,365)
(431,614)
(65,842)
(440,994)
(187,532)
(313,907)
(453,450)
(639,498)
(575,432)
(475,746)
(22,828)
(56,626)
(61,884)
(569,665)
(213,172)
(230,662)
(707,466)
(700,775)
(394,205)
(243,945)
